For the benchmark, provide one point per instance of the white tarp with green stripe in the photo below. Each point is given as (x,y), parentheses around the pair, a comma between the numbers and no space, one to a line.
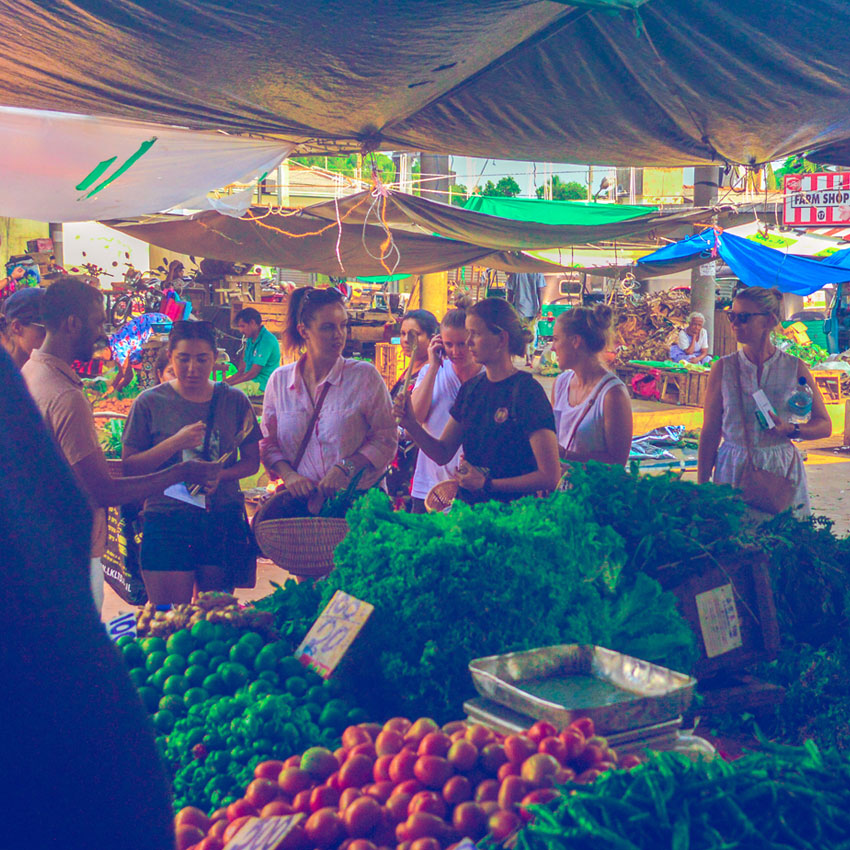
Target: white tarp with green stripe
(61,167)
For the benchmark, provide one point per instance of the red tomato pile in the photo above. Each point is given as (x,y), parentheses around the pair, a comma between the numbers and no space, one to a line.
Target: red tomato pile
(409,786)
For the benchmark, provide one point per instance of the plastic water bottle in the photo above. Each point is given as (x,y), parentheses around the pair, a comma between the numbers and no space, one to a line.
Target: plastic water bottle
(800,403)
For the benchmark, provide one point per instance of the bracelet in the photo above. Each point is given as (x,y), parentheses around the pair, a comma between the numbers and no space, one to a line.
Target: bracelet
(487,486)
(346,466)
(795,434)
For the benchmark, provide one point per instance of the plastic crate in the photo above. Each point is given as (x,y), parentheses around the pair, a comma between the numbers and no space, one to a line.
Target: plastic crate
(548,314)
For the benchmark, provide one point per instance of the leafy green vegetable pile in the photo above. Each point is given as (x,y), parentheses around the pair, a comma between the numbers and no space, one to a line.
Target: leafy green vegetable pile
(478,581)
(789,797)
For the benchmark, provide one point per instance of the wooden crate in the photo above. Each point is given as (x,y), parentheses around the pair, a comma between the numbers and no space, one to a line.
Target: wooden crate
(725,341)
(829,383)
(692,389)
(731,610)
(273,313)
(390,362)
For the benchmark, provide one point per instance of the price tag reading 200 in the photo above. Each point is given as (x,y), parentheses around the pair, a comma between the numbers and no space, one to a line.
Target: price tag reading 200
(332,634)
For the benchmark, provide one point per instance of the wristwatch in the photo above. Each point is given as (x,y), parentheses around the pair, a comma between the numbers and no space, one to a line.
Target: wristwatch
(795,434)
(346,466)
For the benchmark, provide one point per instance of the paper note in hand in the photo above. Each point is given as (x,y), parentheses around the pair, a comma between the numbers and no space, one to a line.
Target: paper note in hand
(181,492)
(332,634)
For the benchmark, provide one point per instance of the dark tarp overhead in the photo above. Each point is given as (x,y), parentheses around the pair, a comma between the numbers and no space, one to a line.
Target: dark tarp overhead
(606,222)
(310,244)
(669,83)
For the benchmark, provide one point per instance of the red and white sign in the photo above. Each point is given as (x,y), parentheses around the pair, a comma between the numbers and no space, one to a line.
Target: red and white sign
(817,200)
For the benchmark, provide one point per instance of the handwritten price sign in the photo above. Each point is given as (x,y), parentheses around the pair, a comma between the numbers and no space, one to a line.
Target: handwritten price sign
(332,634)
(263,833)
(124,624)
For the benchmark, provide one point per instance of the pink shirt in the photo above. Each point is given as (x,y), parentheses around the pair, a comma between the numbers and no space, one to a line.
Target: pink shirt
(355,417)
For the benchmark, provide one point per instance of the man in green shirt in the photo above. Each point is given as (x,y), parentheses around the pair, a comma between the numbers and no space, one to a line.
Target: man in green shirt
(262,351)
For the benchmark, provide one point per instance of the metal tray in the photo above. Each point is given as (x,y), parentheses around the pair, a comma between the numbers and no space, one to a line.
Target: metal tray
(561,683)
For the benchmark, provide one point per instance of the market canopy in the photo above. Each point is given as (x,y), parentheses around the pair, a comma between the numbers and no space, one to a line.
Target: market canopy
(606,81)
(521,225)
(307,243)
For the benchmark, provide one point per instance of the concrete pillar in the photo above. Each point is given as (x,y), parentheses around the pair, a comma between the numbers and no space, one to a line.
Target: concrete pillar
(435,293)
(430,166)
(58,242)
(703,282)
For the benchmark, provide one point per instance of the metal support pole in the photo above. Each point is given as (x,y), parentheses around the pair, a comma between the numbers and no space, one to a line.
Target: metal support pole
(703,278)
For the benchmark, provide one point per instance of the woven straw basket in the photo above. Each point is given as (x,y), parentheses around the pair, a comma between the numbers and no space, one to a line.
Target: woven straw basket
(441,496)
(301,546)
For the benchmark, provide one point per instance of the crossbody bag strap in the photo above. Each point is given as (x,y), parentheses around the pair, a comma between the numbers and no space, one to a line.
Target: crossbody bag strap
(312,424)
(748,440)
(218,389)
(603,382)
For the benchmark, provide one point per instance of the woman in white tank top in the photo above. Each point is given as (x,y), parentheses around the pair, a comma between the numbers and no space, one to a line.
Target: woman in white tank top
(761,366)
(593,413)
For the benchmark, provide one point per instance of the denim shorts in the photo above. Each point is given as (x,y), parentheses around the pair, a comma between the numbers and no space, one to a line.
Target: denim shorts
(182,541)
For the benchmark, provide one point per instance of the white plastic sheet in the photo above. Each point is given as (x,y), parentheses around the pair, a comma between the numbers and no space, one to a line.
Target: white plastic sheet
(61,167)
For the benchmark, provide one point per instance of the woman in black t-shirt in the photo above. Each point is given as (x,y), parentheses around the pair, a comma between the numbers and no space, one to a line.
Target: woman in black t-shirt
(502,418)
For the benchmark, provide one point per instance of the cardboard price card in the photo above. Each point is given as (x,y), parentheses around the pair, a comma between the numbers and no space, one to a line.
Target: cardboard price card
(123,624)
(719,621)
(332,634)
(263,833)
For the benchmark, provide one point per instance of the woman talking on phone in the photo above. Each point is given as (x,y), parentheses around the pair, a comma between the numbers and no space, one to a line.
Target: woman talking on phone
(501,418)
(450,365)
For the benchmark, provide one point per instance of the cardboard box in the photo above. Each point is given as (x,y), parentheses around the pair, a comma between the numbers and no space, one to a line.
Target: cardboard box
(36,245)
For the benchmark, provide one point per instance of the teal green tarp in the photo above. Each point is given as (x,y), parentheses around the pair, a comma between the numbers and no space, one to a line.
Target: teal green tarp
(569,213)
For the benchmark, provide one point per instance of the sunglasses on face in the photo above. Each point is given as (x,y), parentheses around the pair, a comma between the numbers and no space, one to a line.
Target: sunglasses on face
(743,318)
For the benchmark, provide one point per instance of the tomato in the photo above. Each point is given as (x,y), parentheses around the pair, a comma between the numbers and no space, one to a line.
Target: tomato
(396,807)
(379,790)
(233,827)
(541,795)
(268,770)
(261,791)
(186,836)
(218,828)
(219,814)
(629,761)
(518,748)
(492,758)
(333,781)
(292,780)
(432,771)
(458,789)
(540,730)
(210,843)
(555,747)
(296,839)
(511,792)
(486,790)
(362,817)
(301,801)
(508,769)
(292,761)
(419,730)
(324,828)
(501,824)
(564,775)
(389,742)
(425,844)
(276,808)
(190,816)
(427,801)
(458,735)
(367,750)
(374,729)
(381,768)
(398,724)
(463,755)
(434,744)
(453,726)
(540,769)
(401,767)
(361,844)
(424,825)
(409,786)
(354,735)
(591,756)
(584,725)
(575,743)
(319,762)
(324,797)
(240,809)
(479,735)
(489,806)
(340,754)
(469,820)
(356,772)
(588,775)
(348,796)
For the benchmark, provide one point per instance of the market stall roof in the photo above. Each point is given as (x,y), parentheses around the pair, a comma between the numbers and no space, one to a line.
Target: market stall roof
(605,81)
(541,224)
(307,243)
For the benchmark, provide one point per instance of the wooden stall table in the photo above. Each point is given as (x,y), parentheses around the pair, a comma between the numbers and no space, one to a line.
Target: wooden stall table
(675,386)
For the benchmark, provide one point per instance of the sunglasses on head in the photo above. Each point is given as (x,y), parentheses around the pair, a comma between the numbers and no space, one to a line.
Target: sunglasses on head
(743,318)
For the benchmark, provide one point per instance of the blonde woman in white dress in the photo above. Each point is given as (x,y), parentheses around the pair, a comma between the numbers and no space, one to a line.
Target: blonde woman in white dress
(755,312)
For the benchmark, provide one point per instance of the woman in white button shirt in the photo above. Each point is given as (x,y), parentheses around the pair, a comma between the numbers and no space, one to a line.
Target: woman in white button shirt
(692,345)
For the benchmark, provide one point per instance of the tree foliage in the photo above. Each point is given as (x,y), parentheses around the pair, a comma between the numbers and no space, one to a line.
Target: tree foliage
(507,187)
(570,191)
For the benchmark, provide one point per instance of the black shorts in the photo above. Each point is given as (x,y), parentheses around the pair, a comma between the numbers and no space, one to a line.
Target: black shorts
(182,542)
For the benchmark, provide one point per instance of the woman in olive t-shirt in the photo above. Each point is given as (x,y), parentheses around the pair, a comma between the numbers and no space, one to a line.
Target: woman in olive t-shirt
(502,418)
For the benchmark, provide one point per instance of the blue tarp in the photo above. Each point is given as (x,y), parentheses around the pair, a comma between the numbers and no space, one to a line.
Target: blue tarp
(755,264)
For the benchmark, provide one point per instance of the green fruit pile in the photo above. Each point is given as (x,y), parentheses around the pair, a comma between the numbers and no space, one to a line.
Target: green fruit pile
(214,750)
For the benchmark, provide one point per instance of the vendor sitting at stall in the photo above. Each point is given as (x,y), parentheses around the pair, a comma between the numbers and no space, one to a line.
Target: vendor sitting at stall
(262,351)
(692,345)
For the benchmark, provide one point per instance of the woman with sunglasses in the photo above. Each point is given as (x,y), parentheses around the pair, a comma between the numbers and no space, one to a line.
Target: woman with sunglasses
(758,365)
(501,418)
(21,329)
(185,546)
(325,418)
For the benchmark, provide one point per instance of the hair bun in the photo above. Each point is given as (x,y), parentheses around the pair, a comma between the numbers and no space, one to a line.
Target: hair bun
(527,336)
(777,293)
(602,314)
